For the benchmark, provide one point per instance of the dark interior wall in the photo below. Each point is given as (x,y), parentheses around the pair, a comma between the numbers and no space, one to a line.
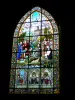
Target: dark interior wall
(12,13)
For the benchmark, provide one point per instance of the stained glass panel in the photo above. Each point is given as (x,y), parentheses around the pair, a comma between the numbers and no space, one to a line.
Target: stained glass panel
(33,78)
(46,28)
(13,60)
(12,78)
(46,91)
(28,19)
(35,54)
(17,30)
(36,9)
(46,77)
(35,29)
(24,29)
(56,77)
(33,91)
(14,48)
(44,17)
(21,78)
(36,16)
(47,14)
(11,91)
(56,91)
(55,29)
(20,91)
(13,65)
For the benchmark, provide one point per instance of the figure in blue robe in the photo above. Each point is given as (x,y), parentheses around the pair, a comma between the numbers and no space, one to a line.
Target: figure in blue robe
(20,51)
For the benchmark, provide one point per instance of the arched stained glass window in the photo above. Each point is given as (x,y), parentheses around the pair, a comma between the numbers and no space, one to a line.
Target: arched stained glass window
(35,54)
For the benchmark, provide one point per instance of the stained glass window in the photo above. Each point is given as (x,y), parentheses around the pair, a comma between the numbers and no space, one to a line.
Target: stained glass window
(35,55)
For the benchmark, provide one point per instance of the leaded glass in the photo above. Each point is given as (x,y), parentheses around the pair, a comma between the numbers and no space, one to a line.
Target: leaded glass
(35,54)
(12,78)
(46,91)
(21,78)
(13,65)
(11,91)
(46,77)
(17,30)
(24,29)
(36,16)
(47,14)
(36,9)
(56,91)
(14,48)
(13,60)
(56,77)
(46,28)
(44,18)
(33,78)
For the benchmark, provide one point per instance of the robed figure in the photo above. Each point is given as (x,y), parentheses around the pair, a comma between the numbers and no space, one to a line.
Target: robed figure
(20,51)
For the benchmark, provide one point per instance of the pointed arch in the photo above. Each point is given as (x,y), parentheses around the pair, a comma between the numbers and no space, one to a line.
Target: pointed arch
(35,54)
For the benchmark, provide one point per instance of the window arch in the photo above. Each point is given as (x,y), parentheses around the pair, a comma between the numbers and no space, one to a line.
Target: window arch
(35,54)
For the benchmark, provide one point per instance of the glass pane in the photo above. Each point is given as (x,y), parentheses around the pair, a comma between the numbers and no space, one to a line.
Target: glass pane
(27,20)
(21,78)
(34,65)
(36,16)
(34,58)
(46,42)
(35,28)
(36,9)
(46,91)
(11,91)
(12,78)
(23,50)
(33,78)
(14,48)
(46,28)
(24,30)
(22,65)
(44,17)
(56,58)
(46,77)
(17,30)
(47,14)
(56,39)
(22,61)
(56,91)
(13,60)
(56,46)
(20,91)
(13,65)
(33,91)
(56,77)
(55,29)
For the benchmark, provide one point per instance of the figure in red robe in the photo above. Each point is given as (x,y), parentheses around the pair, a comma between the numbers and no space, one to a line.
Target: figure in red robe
(26,47)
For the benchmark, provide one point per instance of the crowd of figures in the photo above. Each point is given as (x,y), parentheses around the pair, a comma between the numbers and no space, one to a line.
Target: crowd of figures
(25,47)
